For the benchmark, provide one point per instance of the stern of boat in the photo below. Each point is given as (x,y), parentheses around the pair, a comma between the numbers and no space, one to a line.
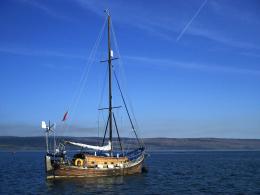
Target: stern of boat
(48,164)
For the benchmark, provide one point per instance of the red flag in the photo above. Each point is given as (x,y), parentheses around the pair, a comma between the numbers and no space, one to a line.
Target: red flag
(65,116)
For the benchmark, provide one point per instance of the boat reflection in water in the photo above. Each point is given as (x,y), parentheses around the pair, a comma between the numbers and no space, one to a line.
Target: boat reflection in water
(108,185)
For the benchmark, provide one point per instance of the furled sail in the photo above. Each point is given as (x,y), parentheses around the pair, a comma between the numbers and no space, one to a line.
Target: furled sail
(103,148)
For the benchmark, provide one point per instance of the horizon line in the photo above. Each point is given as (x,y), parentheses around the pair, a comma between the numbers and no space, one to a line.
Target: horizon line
(14,136)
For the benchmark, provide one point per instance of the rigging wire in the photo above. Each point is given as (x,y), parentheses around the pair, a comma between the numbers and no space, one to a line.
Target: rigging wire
(129,142)
(84,77)
(101,99)
(124,80)
(132,125)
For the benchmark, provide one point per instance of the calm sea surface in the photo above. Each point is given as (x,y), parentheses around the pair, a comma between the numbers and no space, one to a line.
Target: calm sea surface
(169,173)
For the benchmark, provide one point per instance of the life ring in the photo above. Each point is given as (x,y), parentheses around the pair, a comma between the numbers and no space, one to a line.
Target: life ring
(79,162)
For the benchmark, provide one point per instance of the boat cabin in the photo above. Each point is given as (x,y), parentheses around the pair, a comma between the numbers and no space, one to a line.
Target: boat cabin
(92,161)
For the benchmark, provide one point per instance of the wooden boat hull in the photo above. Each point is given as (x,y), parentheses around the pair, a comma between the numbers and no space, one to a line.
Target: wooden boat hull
(65,171)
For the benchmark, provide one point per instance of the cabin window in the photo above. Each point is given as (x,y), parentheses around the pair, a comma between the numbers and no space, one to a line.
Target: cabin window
(105,163)
(112,163)
(92,162)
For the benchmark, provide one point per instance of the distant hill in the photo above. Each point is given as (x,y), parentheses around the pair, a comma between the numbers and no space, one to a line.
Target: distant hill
(8,143)
(202,144)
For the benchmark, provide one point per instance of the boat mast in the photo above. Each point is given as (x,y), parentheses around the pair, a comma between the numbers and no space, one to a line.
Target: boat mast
(110,80)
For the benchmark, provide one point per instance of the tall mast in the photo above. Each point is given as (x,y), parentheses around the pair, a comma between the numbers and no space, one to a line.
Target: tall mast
(110,81)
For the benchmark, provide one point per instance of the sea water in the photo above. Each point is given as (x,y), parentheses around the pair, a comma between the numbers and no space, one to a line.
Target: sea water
(186,172)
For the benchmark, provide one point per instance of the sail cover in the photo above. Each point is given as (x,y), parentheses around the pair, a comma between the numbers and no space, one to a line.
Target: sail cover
(103,148)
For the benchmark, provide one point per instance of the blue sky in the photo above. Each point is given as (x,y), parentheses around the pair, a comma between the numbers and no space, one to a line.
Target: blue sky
(192,68)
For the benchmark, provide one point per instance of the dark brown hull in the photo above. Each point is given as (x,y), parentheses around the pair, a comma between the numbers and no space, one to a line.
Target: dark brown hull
(73,171)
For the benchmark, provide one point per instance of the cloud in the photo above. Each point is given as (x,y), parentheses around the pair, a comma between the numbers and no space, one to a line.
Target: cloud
(230,10)
(218,37)
(171,27)
(47,10)
(21,129)
(250,54)
(33,52)
(75,130)
(45,53)
(229,14)
(191,20)
(123,13)
(191,65)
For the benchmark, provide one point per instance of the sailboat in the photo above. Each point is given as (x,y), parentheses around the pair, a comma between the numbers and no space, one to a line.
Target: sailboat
(95,160)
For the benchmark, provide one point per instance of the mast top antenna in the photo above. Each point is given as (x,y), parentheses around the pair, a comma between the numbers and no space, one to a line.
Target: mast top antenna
(107,11)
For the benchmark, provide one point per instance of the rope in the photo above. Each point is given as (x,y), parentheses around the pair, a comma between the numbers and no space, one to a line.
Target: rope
(84,77)
(100,101)
(132,125)
(124,80)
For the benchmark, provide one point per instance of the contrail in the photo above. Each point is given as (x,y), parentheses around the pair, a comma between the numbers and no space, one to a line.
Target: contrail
(189,23)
